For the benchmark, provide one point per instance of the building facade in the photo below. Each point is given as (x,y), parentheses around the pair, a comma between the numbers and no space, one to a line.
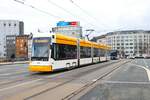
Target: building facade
(128,43)
(22,47)
(9,27)
(10,47)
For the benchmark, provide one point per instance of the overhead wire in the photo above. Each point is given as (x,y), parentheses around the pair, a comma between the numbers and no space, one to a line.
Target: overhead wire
(50,14)
(67,11)
(83,19)
(33,7)
(88,14)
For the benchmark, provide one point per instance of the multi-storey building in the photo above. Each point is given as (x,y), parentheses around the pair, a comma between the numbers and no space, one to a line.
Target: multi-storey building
(128,43)
(9,27)
(22,47)
(10,46)
(69,28)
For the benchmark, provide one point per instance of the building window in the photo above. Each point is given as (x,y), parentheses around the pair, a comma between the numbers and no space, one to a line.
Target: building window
(131,43)
(4,24)
(131,47)
(9,24)
(118,47)
(126,51)
(131,40)
(15,24)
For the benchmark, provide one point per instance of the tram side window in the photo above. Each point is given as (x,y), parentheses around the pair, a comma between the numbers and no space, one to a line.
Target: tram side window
(63,52)
(102,53)
(96,52)
(85,52)
(89,52)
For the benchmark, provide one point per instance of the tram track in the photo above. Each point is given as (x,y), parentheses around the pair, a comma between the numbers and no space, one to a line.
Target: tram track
(68,77)
(31,77)
(71,95)
(72,79)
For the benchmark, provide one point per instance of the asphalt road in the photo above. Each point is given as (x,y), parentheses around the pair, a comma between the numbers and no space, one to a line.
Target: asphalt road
(17,83)
(130,82)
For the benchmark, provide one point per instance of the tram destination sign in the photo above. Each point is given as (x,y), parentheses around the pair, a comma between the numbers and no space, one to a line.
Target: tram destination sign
(41,40)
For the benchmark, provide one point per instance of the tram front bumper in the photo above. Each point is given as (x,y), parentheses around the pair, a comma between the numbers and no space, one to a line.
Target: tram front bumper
(37,68)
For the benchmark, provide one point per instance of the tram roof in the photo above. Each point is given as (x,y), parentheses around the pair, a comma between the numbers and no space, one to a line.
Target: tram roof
(63,39)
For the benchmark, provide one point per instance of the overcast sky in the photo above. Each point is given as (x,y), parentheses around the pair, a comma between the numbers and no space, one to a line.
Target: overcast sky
(100,15)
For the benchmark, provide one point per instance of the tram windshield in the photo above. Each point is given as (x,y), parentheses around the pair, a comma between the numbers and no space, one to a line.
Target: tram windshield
(40,49)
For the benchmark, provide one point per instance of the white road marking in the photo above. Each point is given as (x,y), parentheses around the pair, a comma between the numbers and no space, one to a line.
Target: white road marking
(12,68)
(145,63)
(1,70)
(4,89)
(146,69)
(13,73)
(5,74)
(127,82)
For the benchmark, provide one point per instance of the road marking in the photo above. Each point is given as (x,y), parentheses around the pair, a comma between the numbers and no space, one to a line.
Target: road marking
(12,68)
(145,63)
(127,82)
(13,73)
(146,69)
(5,74)
(1,70)
(4,89)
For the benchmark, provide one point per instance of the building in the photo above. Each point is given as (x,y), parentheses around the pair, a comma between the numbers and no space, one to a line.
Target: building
(10,46)
(29,48)
(18,47)
(128,43)
(9,27)
(68,28)
(22,47)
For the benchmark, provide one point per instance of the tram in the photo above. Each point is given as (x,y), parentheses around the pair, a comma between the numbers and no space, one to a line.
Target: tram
(55,51)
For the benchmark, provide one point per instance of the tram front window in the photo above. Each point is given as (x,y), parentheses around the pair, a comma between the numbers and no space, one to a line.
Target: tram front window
(40,51)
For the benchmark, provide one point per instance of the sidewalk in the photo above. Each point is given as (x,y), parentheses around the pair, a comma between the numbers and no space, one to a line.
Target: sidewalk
(11,63)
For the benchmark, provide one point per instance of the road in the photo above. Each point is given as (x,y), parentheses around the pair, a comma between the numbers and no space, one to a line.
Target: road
(130,82)
(118,79)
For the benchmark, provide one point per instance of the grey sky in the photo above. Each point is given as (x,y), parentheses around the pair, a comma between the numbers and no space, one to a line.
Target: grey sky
(106,15)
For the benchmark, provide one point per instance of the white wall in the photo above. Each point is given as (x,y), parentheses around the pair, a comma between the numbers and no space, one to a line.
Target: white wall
(7,30)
